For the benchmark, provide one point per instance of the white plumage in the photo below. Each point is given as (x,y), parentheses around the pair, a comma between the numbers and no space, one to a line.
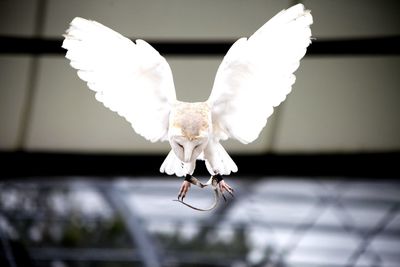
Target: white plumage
(257,74)
(134,80)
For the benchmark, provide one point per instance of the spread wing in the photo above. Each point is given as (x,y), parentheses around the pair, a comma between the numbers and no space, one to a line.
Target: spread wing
(257,73)
(132,79)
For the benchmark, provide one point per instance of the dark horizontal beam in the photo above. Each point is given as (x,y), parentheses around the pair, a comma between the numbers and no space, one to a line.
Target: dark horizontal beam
(364,165)
(361,46)
(319,47)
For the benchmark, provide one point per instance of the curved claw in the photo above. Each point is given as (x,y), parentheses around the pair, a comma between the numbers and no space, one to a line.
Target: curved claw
(223,186)
(183,190)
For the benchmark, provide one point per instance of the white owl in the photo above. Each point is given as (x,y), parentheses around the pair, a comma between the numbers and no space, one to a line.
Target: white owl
(134,80)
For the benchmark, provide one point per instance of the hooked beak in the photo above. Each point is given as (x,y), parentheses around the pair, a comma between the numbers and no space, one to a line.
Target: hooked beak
(188,151)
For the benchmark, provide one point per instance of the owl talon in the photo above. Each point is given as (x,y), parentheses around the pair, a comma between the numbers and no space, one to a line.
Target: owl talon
(223,186)
(183,190)
(223,196)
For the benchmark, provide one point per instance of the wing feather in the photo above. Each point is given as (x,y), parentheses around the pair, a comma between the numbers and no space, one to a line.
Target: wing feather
(257,74)
(129,78)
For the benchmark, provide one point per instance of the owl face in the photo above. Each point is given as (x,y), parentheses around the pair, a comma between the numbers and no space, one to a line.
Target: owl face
(188,149)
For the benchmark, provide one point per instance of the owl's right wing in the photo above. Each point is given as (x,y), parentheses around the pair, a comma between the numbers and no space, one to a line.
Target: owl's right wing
(132,79)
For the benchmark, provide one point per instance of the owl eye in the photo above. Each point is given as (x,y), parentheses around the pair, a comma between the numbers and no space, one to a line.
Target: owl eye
(179,145)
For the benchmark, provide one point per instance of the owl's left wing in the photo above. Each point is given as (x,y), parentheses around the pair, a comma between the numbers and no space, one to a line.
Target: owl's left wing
(132,79)
(257,73)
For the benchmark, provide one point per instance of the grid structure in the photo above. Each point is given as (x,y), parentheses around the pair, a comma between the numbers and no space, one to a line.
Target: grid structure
(133,222)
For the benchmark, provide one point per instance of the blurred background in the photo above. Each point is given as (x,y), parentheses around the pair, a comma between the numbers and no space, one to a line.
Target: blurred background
(318,188)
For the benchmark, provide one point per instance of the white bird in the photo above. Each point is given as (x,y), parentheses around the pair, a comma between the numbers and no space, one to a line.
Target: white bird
(134,80)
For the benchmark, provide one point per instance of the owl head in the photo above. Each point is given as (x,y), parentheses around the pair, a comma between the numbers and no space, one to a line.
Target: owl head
(189,129)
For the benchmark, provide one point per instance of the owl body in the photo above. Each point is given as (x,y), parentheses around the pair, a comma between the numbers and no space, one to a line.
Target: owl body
(191,138)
